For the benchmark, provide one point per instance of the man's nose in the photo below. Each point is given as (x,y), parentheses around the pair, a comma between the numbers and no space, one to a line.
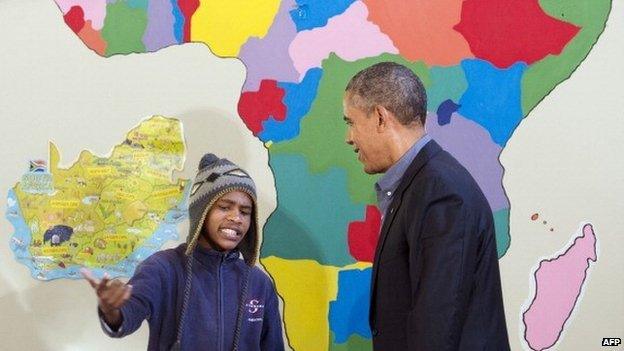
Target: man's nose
(348,138)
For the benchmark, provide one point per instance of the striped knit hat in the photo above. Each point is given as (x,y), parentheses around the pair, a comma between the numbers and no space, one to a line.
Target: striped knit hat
(215,178)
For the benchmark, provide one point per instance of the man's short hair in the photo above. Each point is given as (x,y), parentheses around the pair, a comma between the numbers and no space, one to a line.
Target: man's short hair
(392,86)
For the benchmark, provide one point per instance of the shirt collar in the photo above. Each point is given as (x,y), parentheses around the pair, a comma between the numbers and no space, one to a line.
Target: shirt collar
(391,179)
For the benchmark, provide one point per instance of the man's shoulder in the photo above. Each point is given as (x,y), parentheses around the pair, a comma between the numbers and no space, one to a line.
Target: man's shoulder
(443,169)
(444,175)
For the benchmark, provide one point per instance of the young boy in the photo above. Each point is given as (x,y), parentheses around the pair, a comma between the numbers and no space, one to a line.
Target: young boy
(201,295)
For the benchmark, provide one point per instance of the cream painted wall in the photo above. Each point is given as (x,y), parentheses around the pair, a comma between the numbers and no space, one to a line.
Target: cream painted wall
(566,162)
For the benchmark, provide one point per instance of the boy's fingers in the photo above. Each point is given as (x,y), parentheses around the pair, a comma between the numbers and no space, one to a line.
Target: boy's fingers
(89,278)
(117,290)
(127,292)
(103,283)
(108,292)
(111,293)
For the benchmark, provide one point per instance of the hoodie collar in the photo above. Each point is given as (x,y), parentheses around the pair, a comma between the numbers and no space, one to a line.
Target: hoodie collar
(210,257)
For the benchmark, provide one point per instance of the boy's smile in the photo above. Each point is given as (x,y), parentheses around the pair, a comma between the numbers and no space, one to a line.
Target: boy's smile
(227,221)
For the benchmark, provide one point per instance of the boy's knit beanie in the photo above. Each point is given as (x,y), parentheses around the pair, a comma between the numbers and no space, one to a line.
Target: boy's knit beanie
(215,178)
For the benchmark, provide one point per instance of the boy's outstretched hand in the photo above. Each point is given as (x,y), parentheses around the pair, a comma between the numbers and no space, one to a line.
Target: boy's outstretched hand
(112,294)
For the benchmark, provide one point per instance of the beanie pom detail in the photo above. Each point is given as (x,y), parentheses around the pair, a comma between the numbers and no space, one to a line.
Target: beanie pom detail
(207,160)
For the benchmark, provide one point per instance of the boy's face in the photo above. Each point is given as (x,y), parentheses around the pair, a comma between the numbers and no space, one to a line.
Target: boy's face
(228,221)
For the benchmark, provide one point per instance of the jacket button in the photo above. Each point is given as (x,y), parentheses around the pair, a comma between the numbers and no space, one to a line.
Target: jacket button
(375,332)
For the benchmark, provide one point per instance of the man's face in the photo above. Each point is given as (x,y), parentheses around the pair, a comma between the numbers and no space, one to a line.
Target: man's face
(228,221)
(363,133)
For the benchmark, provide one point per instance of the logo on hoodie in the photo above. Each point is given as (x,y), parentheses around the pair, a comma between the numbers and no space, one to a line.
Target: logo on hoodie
(254,306)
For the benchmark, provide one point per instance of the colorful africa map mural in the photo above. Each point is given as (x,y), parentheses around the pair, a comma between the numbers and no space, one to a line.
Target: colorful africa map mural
(485,64)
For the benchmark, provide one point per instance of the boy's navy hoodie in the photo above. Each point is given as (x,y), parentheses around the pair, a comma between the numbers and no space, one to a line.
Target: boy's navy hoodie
(201,299)
(157,295)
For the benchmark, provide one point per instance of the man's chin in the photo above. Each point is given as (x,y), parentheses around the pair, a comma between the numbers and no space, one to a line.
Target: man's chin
(371,170)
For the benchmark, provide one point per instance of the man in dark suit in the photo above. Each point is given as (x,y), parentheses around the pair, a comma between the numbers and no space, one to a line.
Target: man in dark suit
(435,284)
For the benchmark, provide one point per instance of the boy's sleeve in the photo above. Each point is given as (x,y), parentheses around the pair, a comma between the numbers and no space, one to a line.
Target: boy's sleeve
(272,338)
(145,299)
(108,330)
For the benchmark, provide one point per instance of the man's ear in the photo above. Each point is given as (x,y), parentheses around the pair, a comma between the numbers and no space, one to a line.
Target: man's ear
(382,117)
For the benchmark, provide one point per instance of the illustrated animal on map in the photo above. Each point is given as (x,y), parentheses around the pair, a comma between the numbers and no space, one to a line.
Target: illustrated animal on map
(100,243)
(58,234)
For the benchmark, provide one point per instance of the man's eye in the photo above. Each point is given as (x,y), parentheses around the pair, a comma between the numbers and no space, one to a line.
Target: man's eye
(246,213)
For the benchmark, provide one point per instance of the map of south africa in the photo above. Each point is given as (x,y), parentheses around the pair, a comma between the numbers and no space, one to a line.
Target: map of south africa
(485,64)
(107,213)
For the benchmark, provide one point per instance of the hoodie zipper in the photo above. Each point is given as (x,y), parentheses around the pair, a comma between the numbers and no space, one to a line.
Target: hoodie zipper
(220,303)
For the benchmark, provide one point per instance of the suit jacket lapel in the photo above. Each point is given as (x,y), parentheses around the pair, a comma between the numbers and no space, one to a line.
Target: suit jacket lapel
(427,152)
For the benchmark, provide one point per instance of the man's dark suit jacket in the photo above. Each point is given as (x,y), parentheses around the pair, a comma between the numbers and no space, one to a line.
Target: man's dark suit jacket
(436,284)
